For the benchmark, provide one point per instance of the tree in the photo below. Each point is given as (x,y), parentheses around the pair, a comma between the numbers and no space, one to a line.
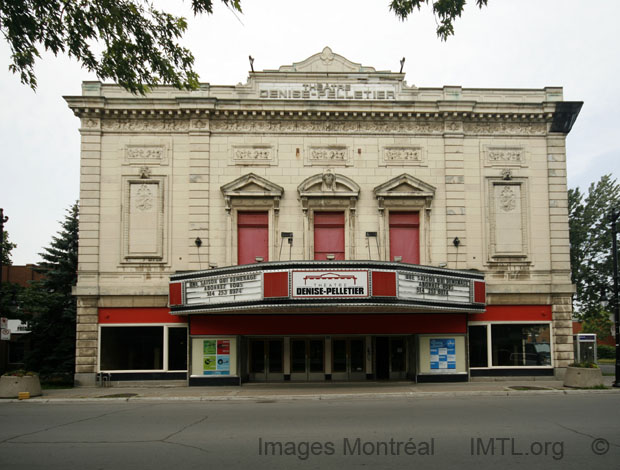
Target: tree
(598,322)
(445,10)
(7,247)
(140,43)
(590,244)
(51,305)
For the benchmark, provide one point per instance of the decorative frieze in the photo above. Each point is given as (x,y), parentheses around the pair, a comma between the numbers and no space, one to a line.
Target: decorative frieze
(326,126)
(146,125)
(502,127)
(327,122)
(253,155)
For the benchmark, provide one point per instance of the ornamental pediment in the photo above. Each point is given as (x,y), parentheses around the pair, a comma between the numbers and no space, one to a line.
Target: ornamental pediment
(326,61)
(251,186)
(405,186)
(327,185)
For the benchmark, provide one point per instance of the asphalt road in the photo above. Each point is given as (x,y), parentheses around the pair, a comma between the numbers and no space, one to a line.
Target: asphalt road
(538,431)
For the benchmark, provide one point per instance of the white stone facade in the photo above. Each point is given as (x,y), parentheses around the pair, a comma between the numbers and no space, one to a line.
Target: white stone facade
(486,166)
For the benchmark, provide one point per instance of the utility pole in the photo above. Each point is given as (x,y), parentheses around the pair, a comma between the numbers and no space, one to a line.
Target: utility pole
(613,218)
(3,220)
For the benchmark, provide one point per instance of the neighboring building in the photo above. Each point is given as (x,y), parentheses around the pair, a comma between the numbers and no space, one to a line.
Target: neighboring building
(323,221)
(13,351)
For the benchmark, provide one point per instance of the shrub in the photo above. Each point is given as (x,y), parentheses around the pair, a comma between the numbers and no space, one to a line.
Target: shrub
(605,351)
(19,373)
(585,365)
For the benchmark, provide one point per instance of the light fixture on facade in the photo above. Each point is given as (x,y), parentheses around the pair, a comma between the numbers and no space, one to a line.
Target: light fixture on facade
(398,259)
(456,242)
(289,237)
(212,265)
(372,235)
(259,259)
(330,256)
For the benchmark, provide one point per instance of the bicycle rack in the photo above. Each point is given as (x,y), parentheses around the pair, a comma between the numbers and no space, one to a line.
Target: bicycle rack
(104,379)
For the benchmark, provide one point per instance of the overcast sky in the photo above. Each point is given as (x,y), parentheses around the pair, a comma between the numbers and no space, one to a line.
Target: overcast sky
(511,43)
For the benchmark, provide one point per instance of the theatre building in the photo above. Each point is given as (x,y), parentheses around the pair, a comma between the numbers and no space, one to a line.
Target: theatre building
(324,221)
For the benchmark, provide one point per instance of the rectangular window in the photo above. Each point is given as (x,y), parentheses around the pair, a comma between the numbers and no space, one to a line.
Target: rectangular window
(139,348)
(405,237)
(252,237)
(328,235)
(520,345)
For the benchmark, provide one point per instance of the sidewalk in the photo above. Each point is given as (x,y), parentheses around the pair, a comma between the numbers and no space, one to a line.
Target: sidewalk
(314,391)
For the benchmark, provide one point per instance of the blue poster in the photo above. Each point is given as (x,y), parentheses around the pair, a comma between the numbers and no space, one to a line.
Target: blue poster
(443,354)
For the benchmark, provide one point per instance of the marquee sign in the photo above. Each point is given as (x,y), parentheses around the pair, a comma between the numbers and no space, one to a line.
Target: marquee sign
(433,288)
(330,284)
(241,287)
(320,283)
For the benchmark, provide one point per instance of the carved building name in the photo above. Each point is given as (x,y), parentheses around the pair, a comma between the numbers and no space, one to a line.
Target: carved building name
(326,91)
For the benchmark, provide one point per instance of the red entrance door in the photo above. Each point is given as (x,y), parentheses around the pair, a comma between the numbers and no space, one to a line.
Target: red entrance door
(328,235)
(405,236)
(252,237)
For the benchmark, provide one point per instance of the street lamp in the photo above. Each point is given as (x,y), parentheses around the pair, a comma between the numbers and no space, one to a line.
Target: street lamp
(613,219)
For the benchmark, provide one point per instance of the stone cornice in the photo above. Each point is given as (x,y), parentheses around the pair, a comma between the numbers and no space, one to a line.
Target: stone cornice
(440,117)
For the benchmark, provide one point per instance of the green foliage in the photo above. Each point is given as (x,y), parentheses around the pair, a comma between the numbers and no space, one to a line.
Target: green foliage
(597,322)
(139,43)
(446,11)
(603,351)
(590,242)
(584,365)
(7,247)
(51,305)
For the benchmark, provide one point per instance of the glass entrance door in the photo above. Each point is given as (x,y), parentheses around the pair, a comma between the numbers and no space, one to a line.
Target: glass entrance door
(307,359)
(348,361)
(266,360)
(390,358)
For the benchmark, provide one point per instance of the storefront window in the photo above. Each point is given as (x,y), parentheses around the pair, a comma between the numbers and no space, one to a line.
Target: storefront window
(142,348)
(520,345)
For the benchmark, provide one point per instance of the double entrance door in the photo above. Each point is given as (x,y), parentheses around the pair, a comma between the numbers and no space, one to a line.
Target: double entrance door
(348,359)
(266,360)
(307,359)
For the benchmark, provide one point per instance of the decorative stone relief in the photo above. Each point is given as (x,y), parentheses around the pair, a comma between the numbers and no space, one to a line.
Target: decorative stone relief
(143,220)
(259,155)
(330,155)
(90,123)
(146,154)
(144,198)
(403,156)
(508,219)
(145,172)
(503,156)
(507,199)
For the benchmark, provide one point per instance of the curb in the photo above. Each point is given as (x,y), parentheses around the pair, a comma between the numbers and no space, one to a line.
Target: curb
(317,397)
